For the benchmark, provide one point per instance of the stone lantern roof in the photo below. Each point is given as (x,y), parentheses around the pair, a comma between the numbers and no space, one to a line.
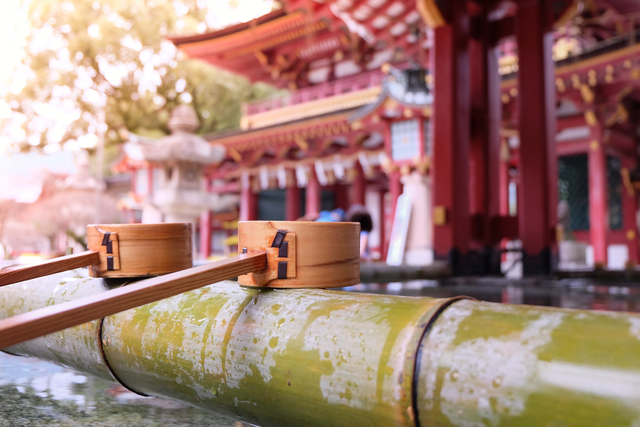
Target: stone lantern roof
(182,145)
(180,190)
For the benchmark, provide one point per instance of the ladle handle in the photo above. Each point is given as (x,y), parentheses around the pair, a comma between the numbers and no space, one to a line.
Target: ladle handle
(47,320)
(11,275)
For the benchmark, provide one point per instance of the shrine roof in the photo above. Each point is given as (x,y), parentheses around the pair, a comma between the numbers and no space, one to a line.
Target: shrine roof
(234,136)
(179,40)
(250,48)
(285,46)
(308,41)
(616,50)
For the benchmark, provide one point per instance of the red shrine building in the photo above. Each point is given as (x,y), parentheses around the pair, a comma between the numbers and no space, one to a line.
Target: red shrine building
(522,117)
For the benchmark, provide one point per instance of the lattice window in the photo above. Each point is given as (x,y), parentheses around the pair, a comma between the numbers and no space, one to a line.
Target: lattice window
(327,201)
(271,205)
(405,139)
(573,186)
(428,145)
(614,183)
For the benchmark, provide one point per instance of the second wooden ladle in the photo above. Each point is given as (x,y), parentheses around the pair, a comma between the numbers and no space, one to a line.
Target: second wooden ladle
(275,254)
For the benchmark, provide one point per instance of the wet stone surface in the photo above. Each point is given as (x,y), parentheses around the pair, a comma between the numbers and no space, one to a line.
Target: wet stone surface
(582,294)
(37,393)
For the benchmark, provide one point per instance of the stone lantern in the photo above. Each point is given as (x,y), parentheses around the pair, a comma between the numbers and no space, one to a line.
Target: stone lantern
(180,191)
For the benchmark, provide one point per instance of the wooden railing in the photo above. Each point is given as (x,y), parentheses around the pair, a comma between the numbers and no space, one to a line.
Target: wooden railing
(323,90)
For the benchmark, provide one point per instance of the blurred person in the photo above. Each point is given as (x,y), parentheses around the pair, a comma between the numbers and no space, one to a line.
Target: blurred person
(358,213)
(336,215)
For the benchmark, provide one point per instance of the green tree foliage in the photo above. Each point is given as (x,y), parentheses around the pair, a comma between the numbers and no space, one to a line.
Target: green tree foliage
(91,62)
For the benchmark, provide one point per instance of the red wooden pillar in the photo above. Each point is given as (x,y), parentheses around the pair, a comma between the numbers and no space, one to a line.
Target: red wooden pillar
(383,225)
(389,211)
(503,200)
(479,137)
(486,112)
(629,211)
(598,198)
(248,200)
(493,161)
(205,235)
(205,221)
(150,180)
(395,189)
(358,187)
(504,187)
(341,197)
(134,182)
(451,119)
(314,194)
(292,208)
(537,198)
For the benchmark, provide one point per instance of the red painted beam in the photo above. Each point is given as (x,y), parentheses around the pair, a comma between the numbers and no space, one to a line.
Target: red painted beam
(393,20)
(500,30)
(382,11)
(598,63)
(622,141)
(229,187)
(356,4)
(570,122)
(577,146)
(293,48)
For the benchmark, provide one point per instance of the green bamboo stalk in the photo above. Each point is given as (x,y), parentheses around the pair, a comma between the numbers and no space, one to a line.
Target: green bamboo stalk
(330,358)
(269,357)
(78,347)
(486,364)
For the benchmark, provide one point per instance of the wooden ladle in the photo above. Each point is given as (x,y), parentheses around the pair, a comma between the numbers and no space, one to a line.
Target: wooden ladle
(119,250)
(275,254)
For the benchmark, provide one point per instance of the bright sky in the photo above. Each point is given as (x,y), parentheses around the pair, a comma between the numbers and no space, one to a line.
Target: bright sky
(21,177)
(13,30)
(19,173)
(13,25)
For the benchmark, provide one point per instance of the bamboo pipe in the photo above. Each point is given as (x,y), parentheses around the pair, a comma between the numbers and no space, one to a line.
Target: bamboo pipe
(269,357)
(46,320)
(527,366)
(315,357)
